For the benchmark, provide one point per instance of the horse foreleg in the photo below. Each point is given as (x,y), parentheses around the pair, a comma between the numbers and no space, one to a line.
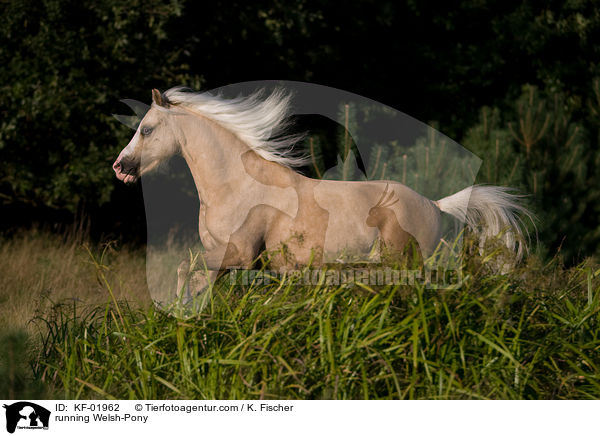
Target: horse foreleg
(193,279)
(192,282)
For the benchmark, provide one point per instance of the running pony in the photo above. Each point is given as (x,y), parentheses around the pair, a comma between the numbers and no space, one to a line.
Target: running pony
(251,198)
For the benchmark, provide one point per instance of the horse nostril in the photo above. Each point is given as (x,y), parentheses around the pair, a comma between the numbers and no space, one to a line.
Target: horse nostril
(117,165)
(128,166)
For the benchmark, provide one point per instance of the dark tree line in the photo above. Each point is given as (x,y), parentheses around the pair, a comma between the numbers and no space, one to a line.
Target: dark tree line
(65,65)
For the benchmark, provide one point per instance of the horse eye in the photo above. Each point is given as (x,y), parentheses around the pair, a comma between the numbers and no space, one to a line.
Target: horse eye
(146,130)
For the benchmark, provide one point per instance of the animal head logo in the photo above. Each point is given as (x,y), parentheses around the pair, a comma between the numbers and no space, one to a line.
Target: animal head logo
(26,415)
(381,212)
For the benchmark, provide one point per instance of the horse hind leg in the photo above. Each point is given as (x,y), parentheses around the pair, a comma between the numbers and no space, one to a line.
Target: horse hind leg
(397,243)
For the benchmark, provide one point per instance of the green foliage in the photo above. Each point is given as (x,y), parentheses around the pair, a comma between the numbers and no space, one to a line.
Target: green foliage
(529,334)
(540,147)
(65,65)
(16,381)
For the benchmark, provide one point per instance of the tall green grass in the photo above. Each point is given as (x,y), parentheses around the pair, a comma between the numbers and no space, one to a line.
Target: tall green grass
(40,272)
(533,333)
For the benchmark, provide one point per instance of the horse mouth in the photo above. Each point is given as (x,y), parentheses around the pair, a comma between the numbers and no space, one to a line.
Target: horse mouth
(130,178)
(126,175)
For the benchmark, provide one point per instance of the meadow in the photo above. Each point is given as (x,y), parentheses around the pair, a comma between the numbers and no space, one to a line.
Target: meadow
(77,322)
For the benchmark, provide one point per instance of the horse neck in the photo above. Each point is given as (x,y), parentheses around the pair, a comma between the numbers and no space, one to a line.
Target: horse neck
(221,164)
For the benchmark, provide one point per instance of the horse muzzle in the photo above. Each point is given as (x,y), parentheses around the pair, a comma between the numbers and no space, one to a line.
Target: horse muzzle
(126,170)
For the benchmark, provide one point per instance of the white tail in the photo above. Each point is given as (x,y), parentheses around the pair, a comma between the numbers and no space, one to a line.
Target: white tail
(489,211)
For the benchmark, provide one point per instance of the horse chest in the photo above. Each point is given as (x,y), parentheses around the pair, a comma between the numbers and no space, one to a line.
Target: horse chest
(215,227)
(208,240)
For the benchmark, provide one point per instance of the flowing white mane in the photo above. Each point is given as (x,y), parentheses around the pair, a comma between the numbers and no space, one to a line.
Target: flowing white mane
(259,122)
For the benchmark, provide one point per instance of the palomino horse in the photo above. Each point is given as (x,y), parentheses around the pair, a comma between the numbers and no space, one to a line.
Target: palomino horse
(251,199)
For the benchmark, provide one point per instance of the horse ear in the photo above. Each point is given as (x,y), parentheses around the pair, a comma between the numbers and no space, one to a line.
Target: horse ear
(156,97)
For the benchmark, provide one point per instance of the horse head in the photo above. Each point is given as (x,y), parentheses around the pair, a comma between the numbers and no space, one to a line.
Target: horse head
(153,142)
